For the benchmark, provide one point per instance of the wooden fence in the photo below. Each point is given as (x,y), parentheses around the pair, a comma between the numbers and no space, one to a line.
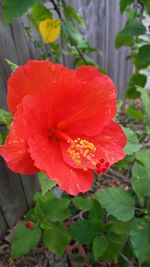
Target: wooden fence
(103,21)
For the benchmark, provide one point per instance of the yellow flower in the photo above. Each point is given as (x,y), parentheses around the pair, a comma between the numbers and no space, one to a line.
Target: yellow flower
(50,30)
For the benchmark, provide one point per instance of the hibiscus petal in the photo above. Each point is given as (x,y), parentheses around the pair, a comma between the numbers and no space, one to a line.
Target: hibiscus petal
(110,143)
(98,105)
(109,146)
(29,118)
(48,158)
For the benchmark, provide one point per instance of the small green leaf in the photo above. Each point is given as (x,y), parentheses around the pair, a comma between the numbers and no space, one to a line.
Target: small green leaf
(39,13)
(124,4)
(134,113)
(132,145)
(146,4)
(100,244)
(5,117)
(13,9)
(123,39)
(24,240)
(145,96)
(134,29)
(135,79)
(143,56)
(141,180)
(86,230)
(140,239)
(45,183)
(143,157)
(117,202)
(81,203)
(56,239)
(12,65)
(69,11)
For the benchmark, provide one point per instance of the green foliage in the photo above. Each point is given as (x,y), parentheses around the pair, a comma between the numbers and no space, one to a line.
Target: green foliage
(146,4)
(99,246)
(12,65)
(136,79)
(117,202)
(141,180)
(143,56)
(140,239)
(13,9)
(39,13)
(5,117)
(45,183)
(56,239)
(145,96)
(81,203)
(85,231)
(133,142)
(24,240)
(124,4)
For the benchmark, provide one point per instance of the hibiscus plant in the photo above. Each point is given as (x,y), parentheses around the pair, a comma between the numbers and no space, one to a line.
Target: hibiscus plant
(67,127)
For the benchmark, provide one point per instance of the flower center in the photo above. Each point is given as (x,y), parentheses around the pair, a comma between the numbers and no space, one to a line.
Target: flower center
(81,152)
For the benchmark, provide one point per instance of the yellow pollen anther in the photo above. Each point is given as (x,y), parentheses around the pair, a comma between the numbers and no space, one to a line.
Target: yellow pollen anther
(82,152)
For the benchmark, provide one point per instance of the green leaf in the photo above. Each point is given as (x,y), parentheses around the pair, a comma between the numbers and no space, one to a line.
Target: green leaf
(132,145)
(135,114)
(12,65)
(141,180)
(81,203)
(39,13)
(13,9)
(45,183)
(96,212)
(124,4)
(143,157)
(86,230)
(145,96)
(146,4)
(125,37)
(55,209)
(56,239)
(117,202)
(24,240)
(99,246)
(70,12)
(140,240)
(143,56)
(135,79)
(5,117)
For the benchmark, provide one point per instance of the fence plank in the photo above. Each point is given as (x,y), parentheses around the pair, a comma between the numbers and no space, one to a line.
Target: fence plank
(3,225)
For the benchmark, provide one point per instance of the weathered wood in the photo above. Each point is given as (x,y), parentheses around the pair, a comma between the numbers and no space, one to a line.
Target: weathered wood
(12,199)
(3,225)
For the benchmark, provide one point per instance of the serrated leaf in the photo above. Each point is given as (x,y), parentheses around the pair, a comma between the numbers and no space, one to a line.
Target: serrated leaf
(81,203)
(145,96)
(99,246)
(86,230)
(117,202)
(55,209)
(143,156)
(45,183)
(141,180)
(24,240)
(132,145)
(56,239)
(140,239)
(13,9)
(143,56)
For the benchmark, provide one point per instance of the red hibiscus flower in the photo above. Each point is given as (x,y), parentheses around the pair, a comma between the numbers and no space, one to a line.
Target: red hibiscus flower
(62,124)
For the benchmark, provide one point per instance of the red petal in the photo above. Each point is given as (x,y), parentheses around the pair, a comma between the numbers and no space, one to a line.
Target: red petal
(48,158)
(98,105)
(110,143)
(29,118)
